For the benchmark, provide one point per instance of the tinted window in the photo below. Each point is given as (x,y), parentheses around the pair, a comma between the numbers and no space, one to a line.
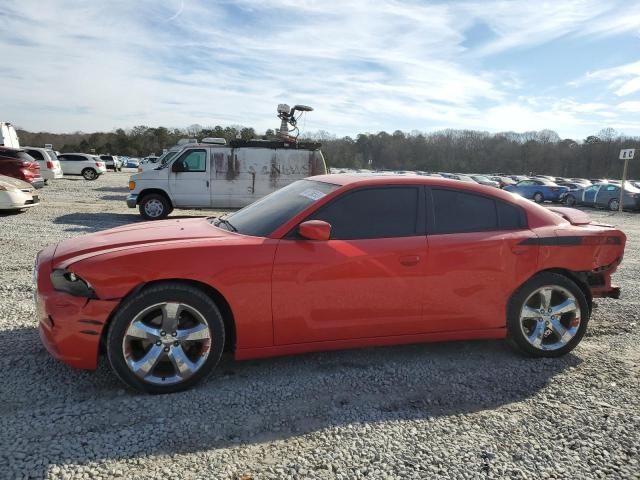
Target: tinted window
(463,212)
(611,188)
(25,156)
(194,160)
(510,217)
(35,154)
(372,213)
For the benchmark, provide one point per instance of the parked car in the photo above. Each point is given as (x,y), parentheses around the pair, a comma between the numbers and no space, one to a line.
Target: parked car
(581,180)
(8,136)
(16,194)
(484,180)
(545,177)
(112,162)
(605,195)
(538,189)
(87,165)
(148,163)
(165,300)
(571,185)
(50,168)
(502,180)
(461,178)
(17,163)
(212,174)
(132,162)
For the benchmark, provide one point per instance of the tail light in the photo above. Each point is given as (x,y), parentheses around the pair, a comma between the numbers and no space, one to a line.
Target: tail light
(99,164)
(49,164)
(608,240)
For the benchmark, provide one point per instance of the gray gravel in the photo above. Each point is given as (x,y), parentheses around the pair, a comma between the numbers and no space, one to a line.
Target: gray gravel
(457,410)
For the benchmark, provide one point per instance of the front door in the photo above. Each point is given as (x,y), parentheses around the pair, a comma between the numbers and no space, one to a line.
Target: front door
(589,194)
(190,188)
(366,281)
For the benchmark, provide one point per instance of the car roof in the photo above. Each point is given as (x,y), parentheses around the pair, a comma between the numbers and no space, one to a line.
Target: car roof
(364,179)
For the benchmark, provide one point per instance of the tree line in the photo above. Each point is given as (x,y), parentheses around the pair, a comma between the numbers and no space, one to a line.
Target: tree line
(464,151)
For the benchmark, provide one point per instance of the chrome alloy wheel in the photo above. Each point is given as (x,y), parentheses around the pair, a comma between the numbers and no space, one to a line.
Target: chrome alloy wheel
(154,208)
(166,343)
(550,317)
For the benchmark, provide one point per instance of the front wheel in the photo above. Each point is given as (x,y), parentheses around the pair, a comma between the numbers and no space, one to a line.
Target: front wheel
(154,206)
(166,338)
(570,200)
(538,197)
(547,316)
(89,174)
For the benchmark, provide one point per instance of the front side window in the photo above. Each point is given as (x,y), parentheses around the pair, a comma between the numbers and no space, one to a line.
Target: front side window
(461,212)
(382,212)
(194,161)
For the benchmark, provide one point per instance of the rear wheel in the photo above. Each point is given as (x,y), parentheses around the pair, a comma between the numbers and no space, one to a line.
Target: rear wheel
(538,197)
(166,339)
(570,200)
(154,206)
(614,204)
(547,316)
(89,174)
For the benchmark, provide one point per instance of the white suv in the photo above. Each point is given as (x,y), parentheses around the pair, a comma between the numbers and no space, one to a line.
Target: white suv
(89,166)
(49,164)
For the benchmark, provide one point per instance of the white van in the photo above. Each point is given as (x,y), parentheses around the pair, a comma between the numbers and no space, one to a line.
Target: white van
(8,136)
(212,174)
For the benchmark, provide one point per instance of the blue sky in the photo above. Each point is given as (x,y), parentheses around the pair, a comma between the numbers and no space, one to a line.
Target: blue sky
(572,66)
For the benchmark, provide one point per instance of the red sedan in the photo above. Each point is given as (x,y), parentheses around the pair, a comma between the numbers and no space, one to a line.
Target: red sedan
(330,262)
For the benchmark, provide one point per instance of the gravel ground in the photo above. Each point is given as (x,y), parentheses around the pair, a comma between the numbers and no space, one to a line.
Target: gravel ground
(456,410)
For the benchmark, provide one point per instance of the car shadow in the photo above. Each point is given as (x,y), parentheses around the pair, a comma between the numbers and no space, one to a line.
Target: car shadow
(247,402)
(119,198)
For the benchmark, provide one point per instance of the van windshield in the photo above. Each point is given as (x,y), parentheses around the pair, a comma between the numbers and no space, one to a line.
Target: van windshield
(164,159)
(262,218)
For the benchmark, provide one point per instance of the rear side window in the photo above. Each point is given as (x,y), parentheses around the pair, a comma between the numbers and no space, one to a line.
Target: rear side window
(459,212)
(372,213)
(25,157)
(35,154)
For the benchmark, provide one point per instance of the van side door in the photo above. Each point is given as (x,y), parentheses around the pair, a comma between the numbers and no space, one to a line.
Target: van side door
(189,179)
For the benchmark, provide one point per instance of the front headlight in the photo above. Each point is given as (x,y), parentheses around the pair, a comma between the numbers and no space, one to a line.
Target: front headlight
(65,281)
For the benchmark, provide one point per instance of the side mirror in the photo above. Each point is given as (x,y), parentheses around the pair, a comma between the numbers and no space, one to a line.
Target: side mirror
(315,230)
(178,166)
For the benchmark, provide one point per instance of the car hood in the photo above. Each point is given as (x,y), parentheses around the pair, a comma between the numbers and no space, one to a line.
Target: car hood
(135,235)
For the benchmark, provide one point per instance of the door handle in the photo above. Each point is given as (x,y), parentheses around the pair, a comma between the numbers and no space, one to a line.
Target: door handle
(409,260)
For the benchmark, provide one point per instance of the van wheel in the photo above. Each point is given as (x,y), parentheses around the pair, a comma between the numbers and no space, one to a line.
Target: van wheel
(547,316)
(89,174)
(154,206)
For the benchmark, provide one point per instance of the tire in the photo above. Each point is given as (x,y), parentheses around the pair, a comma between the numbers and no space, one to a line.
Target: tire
(570,200)
(614,204)
(539,334)
(89,174)
(154,206)
(538,197)
(140,335)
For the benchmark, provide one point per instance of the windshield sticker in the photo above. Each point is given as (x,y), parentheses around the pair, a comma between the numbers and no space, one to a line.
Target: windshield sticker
(312,194)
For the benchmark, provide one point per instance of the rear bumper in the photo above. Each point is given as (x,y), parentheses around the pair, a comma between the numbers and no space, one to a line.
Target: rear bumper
(132,200)
(70,327)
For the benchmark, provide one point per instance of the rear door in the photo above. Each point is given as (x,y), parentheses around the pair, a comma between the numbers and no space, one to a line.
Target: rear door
(190,188)
(72,164)
(606,194)
(476,260)
(367,280)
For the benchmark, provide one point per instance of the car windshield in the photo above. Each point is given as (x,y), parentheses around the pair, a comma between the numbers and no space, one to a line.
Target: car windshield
(262,218)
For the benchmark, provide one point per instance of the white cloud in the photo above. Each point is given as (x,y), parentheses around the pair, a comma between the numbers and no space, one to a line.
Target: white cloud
(624,79)
(364,66)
